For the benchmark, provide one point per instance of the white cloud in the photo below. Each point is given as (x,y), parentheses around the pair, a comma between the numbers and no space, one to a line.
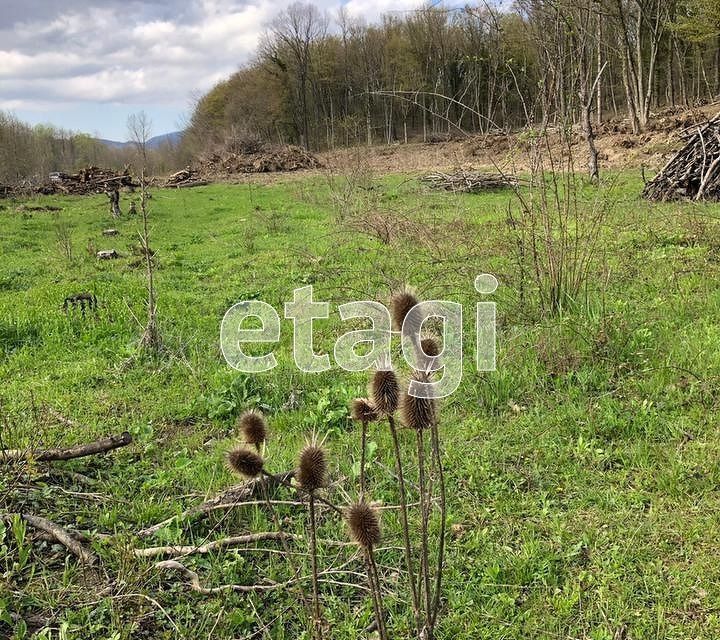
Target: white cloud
(152,52)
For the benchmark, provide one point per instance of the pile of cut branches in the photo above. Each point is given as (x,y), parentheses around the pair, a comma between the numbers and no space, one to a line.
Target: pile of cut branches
(187,177)
(266,160)
(694,171)
(88,180)
(468,181)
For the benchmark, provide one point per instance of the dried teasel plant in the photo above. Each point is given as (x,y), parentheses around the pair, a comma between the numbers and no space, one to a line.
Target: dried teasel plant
(364,412)
(312,468)
(385,394)
(245,462)
(385,391)
(364,525)
(311,476)
(418,413)
(400,304)
(430,346)
(254,428)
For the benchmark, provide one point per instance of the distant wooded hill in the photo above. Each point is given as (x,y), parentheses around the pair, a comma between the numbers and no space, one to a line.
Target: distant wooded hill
(174,138)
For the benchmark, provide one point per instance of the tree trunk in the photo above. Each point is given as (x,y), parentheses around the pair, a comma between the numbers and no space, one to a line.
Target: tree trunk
(589,135)
(114,197)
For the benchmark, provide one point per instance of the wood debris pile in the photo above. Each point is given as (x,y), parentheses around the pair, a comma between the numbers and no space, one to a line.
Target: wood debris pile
(468,181)
(288,158)
(88,181)
(187,177)
(694,171)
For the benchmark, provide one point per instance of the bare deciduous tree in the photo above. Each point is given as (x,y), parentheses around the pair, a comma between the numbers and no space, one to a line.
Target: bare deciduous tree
(139,127)
(293,32)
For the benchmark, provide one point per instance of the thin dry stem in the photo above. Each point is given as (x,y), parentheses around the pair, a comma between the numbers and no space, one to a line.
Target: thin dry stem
(404,521)
(317,622)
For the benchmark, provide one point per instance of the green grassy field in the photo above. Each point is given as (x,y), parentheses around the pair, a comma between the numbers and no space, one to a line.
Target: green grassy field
(583,474)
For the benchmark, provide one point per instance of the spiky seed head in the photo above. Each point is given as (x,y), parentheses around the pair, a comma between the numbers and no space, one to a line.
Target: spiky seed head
(430,346)
(400,304)
(418,413)
(385,391)
(362,410)
(253,427)
(245,462)
(364,524)
(312,468)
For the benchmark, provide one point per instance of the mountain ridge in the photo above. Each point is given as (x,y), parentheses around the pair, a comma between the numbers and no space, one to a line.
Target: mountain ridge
(155,142)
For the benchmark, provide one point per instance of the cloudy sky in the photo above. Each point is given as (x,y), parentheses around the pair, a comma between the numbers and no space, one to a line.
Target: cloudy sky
(87,64)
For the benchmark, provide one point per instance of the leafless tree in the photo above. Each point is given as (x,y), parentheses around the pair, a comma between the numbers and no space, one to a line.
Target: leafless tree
(139,127)
(295,30)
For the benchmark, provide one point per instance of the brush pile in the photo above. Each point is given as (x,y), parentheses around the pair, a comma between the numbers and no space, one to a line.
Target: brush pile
(694,171)
(87,181)
(187,177)
(468,181)
(265,160)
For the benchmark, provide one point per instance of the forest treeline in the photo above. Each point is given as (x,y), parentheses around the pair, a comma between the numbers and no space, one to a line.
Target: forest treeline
(321,81)
(31,153)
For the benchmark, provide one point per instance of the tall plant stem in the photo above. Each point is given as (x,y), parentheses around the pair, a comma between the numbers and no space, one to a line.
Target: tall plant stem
(363,449)
(151,337)
(437,456)
(286,547)
(425,514)
(404,521)
(374,579)
(317,625)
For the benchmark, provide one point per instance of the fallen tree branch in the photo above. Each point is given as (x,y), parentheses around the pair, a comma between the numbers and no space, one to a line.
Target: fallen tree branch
(63,536)
(234,496)
(79,451)
(193,581)
(468,181)
(223,543)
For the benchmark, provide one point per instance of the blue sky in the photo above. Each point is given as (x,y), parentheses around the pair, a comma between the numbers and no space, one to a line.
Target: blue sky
(86,65)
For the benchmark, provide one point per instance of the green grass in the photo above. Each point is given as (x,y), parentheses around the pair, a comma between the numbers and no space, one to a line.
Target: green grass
(583,474)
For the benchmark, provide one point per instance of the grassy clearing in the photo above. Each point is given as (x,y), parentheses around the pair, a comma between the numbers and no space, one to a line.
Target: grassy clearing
(583,474)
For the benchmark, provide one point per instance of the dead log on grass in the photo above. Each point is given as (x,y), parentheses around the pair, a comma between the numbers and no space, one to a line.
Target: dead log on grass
(58,533)
(231,497)
(78,451)
(193,581)
(174,551)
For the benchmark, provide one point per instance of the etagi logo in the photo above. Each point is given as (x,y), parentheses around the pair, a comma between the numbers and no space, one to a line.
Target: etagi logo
(376,341)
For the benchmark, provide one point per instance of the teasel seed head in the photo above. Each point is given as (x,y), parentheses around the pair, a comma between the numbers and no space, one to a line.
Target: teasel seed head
(312,468)
(400,304)
(385,391)
(254,428)
(362,410)
(418,413)
(430,346)
(245,462)
(364,524)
